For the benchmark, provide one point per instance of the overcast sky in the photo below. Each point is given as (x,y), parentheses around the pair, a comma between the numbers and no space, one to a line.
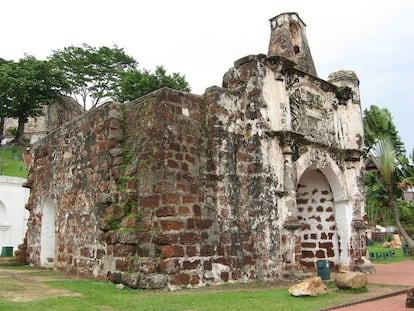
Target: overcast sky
(202,39)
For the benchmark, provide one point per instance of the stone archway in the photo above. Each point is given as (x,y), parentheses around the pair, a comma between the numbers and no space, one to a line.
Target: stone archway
(47,235)
(316,212)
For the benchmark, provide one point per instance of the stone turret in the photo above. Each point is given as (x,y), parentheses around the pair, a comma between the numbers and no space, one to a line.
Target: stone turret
(288,39)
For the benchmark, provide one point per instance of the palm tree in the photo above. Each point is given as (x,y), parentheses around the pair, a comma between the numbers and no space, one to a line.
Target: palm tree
(384,157)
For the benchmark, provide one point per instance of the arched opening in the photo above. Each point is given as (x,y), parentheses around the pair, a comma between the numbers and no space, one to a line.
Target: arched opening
(4,227)
(47,235)
(316,212)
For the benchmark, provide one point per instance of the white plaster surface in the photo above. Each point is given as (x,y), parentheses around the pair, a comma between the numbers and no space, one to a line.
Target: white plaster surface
(13,215)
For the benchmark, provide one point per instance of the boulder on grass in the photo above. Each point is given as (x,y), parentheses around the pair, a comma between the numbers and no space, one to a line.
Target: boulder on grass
(351,280)
(310,287)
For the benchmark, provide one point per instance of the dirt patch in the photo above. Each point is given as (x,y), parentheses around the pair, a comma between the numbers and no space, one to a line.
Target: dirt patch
(28,285)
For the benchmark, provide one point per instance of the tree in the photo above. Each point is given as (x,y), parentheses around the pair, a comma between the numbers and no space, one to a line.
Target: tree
(3,109)
(136,83)
(384,157)
(378,124)
(92,72)
(25,87)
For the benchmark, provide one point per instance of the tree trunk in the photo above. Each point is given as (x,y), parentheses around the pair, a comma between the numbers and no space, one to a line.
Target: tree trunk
(20,130)
(396,217)
(1,128)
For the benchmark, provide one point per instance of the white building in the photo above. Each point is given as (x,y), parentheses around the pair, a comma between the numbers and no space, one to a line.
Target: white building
(13,215)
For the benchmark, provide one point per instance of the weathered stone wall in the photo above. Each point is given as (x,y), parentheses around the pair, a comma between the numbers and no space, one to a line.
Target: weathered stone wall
(73,169)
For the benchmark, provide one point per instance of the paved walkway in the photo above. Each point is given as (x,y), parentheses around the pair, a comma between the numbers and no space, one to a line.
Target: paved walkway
(401,273)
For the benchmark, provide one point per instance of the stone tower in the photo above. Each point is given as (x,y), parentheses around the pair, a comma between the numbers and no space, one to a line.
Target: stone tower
(288,39)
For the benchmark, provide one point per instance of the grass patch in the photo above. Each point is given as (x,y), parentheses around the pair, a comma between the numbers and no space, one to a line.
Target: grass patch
(104,296)
(11,162)
(377,248)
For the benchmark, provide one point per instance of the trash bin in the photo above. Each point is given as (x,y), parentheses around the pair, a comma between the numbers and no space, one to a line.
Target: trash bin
(324,271)
(7,251)
(405,249)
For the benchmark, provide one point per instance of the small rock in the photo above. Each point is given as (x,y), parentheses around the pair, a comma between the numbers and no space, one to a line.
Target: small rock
(351,280)
(120,286)
(310,287)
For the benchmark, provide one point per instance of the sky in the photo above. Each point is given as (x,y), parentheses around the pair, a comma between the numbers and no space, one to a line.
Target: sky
(202,39)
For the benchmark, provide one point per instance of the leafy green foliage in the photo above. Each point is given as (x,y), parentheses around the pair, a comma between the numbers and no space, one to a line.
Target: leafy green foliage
(102,72)
(25,87)
(136,83)
(92,72)
(378,124)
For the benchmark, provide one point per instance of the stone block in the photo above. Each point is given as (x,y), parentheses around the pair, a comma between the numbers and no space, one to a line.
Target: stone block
(310,287)
(351,280)
(169,251)
(180,279)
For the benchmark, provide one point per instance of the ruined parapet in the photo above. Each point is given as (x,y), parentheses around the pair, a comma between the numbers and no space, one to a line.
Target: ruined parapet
(346,79)
(288,39)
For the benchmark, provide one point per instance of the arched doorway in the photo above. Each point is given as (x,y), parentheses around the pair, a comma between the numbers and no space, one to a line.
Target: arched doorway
(316,211)
(4,227)
(47,235)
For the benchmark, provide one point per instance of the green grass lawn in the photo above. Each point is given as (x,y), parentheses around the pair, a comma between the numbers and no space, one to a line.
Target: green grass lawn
(95,295)
(11,163)
(104,296)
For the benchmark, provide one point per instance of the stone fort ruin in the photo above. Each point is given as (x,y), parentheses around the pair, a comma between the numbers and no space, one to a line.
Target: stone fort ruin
(257,179)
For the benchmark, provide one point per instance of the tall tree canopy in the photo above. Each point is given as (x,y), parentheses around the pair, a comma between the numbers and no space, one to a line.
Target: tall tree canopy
(378,124)
(136,83)
(25,87)
(92,72)
(96,73)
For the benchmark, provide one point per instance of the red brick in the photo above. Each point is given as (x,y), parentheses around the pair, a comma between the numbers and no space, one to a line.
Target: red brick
(172,164)
(169,251)
(189,238)
(150,201)
(166,239)
(195,279)
(197,210)
(207,250)
(190,199)
(224,276)
(122,265)
(184,211)
(308,254)
(320,254)
(172,225)
(202,224)
(191,251)
(170,198)
(166,211)
(189,158)
(123,250)
(163,187)
(180,279)
(190,265)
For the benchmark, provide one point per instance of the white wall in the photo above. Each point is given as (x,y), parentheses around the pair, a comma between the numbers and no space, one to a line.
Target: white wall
(13,215)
